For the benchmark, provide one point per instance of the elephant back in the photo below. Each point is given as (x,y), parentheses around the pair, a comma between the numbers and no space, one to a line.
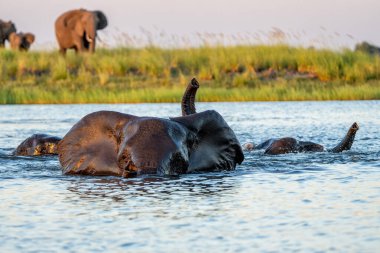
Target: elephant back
(91,145)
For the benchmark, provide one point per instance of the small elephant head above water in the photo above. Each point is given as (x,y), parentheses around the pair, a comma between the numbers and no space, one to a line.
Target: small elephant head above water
(38,144)
(112,143)
(21,41)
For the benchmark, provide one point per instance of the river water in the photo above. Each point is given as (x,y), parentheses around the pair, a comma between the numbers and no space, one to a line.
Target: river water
(308,202)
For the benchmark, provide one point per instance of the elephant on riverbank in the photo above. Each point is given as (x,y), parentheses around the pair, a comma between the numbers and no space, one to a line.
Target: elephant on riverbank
(291,145)
(6,28)
(76,29)
(21,41)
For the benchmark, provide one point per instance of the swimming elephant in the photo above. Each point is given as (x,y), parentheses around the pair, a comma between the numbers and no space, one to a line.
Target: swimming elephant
(291,145)
(21,41)
(76,29)
(113,143)
(6,28)
(38,144)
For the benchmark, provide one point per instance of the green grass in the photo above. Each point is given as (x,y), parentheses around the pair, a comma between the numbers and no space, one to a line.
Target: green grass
(239,73)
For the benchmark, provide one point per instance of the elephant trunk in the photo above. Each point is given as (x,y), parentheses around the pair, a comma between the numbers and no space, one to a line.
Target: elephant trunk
(188,99)
(347,141)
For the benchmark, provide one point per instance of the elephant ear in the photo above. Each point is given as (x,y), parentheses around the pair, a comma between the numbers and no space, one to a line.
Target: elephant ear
(215,147)
(102,20)
(91,146)
(29,37)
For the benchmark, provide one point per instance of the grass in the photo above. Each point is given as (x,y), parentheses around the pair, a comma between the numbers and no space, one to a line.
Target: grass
(151,74)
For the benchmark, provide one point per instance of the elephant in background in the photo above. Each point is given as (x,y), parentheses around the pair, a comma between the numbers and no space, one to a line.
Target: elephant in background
(21,41)
(6,28)
(76,29)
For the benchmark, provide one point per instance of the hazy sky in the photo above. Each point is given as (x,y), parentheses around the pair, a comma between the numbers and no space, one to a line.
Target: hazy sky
(330,22)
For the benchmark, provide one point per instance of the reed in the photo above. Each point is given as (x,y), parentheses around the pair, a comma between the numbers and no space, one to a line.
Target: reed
(152,74)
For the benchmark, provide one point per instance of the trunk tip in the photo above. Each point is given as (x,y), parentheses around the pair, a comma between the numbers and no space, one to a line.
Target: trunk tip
(355,126)
(194,82)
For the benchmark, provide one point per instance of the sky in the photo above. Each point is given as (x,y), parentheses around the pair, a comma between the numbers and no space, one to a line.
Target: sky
(323,23)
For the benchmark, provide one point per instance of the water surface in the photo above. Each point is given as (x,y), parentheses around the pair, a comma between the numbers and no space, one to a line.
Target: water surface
(309,202)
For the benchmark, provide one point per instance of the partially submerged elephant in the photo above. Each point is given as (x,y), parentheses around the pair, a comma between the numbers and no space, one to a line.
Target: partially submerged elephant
(291,145)
(38,144)
(6,28)
(113,143)
(21,41)
(76,29)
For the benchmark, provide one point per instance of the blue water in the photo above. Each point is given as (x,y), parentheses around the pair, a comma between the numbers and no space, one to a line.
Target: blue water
(310,202)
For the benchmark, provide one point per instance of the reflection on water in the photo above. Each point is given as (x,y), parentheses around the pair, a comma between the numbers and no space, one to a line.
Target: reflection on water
(297,202)
(162,188)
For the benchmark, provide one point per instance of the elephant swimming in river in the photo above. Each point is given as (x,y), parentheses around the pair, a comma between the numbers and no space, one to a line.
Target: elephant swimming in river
(118,144)
(76,29)
(291,145)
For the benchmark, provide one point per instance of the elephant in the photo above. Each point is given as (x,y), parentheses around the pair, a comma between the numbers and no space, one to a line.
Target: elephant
(6,28)
(38,144)
(291,145)
(76,29)
(118,144)
(21,41)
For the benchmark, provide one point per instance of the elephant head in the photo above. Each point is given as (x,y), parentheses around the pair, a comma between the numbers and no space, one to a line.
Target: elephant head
(38,144)
(112,143)
(6,28)
(77,29)
(21,41)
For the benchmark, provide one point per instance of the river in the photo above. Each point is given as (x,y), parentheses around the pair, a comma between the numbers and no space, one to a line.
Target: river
(306,202)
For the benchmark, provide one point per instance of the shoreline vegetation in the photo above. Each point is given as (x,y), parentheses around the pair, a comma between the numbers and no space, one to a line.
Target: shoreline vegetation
(151,74)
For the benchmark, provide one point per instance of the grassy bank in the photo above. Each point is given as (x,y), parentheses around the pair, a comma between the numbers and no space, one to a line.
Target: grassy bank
(241,73)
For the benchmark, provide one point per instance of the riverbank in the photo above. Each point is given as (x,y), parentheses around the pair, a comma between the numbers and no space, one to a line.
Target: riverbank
(240,73)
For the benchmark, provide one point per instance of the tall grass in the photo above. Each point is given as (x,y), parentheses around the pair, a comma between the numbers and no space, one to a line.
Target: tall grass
(151,74)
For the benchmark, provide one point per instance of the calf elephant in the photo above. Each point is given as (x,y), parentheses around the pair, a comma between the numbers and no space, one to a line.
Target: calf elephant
(291,145)
(76,29)
(21,41)
(6,28)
